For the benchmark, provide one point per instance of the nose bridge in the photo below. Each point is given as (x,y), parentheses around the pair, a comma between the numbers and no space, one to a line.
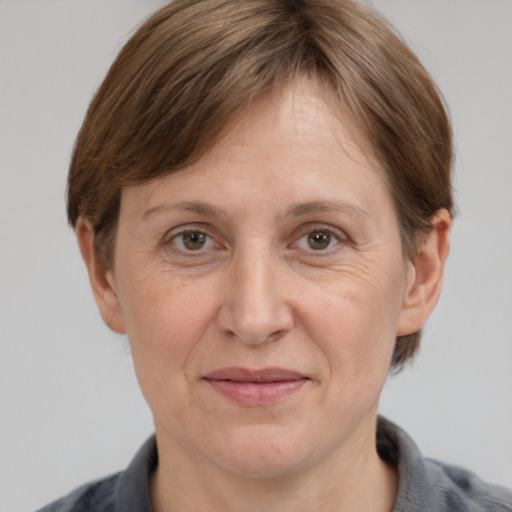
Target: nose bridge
(255,309)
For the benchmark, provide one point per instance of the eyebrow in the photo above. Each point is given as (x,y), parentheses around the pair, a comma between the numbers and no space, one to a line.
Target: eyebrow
(296,210)
(197,207)
(301,209)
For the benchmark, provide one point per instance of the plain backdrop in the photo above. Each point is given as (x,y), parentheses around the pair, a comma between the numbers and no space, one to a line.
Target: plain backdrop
(70,408)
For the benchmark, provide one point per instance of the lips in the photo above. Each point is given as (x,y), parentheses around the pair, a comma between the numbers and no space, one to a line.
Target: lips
(256,387)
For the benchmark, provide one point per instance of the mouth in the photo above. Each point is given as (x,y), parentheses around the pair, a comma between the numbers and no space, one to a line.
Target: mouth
(255,388)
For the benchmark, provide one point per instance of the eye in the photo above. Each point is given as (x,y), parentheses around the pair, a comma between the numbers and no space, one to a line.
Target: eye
(318,240)
(193,241)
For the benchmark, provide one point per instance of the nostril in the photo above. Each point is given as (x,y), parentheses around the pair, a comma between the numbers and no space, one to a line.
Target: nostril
(254,330)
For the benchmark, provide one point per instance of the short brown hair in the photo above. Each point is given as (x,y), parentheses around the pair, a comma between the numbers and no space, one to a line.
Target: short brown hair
(194,64)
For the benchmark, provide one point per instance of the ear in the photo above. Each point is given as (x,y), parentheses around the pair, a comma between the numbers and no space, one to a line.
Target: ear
(102,282)
(425,276)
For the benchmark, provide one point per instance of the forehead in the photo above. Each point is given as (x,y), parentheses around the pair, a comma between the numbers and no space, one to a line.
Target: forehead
(294,142)
(306,111)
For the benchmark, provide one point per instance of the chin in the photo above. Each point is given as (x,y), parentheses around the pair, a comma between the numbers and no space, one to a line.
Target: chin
(262,453)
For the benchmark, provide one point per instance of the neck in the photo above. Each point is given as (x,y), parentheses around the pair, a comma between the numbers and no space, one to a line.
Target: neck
(348,480)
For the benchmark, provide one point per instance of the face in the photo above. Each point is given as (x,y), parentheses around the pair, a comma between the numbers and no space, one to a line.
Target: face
(262,290)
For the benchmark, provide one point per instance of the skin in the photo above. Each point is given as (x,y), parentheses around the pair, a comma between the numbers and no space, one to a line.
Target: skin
(301,268)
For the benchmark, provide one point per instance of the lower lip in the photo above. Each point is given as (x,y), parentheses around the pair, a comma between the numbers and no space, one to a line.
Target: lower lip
(253,394)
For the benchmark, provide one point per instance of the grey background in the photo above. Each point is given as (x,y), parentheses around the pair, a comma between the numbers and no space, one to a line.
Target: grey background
(70,409)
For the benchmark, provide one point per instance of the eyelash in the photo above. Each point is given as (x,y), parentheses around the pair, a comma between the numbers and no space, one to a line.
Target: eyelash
(335,236)
(171,241)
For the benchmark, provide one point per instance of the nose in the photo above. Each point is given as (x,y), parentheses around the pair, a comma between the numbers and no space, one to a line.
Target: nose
(254,308)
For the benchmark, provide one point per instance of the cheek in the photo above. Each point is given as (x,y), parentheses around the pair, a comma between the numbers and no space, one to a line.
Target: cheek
(354,322)
(165,319)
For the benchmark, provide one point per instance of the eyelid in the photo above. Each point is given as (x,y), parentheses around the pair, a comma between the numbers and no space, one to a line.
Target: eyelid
(200,227)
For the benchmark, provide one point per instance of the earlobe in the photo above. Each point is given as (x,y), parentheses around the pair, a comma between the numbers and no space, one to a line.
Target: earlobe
(102,282)
(425,275)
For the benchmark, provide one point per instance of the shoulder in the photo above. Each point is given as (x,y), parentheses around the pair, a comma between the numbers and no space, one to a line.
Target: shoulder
(127,491)
(426,485)
(95,496)
(460,489)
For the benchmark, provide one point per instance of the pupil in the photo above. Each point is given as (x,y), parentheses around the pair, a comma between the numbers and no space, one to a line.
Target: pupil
(194,240)
(319,240)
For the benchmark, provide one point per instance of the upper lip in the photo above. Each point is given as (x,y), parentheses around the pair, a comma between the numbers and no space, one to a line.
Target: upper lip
(237,374)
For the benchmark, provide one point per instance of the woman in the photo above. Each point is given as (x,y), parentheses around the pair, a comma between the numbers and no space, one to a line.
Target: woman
(261,195)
